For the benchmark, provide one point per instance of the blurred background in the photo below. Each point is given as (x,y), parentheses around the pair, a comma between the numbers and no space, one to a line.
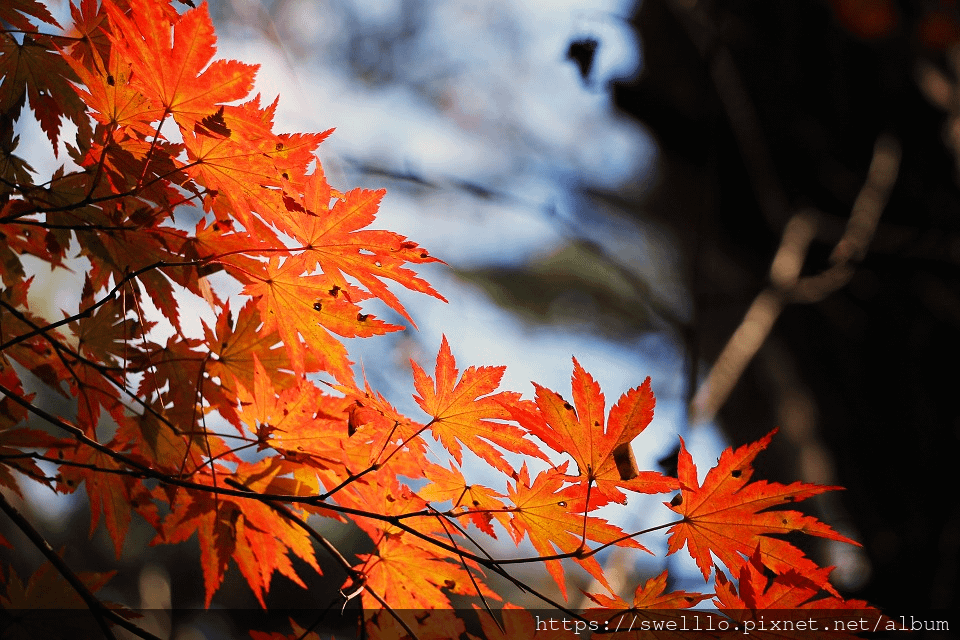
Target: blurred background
(627,182)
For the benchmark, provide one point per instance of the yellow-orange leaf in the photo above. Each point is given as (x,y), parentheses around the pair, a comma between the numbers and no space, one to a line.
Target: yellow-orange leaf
(302,308)
(463,411)
(550,516)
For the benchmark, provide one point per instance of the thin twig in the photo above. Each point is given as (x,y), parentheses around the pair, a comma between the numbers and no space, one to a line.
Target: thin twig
(787,286)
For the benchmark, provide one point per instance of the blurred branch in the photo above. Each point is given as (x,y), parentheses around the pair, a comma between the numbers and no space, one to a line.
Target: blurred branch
(787,286)
(99,610)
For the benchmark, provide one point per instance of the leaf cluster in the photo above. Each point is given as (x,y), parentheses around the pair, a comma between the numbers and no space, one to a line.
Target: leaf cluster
(244,433)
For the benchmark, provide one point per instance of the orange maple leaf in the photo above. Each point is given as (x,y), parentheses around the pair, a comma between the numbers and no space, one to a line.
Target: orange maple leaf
(236,342)
(653,614)
(480,502)
(177,73)
(336,239)
(650,595)
(249,531)
(298,306)
(603,453)
(235,154)
(797,602)
(727,516)
(551,517)
(412,577)
(462,411)
(111,98)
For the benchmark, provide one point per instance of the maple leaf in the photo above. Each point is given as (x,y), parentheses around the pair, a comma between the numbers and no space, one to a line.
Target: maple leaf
(293,421)
(381,492)
(410,577)
(249,531)
(378,432)
(89,30)
(298,306)
(603,453)
(462,411)
(653,613)
(549,515)
(726,515)
(519,624)
(110,493)
(34,69)
(35,354)
(481,503)
(177,73)
(46,589)
(106,89)
(306,256)
(174,373)
(116,254)
(235,154)
(335,238)
(106,334)
(435,624)
(15,12)
(650,595)
(11,438)
(796,599)
(49,607)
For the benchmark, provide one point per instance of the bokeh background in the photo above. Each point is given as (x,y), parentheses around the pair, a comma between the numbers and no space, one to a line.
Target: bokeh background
(613,180)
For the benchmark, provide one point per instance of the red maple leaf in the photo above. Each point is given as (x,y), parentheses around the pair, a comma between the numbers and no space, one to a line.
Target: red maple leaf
(801,607)
(728,516)
(603,454)
(178,74)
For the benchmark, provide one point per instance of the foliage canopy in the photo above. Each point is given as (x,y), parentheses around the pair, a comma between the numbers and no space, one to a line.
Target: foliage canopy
(240,435)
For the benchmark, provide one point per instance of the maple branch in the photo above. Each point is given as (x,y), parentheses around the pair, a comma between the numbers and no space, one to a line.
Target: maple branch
(98,199)
(494,565)
(103,369)
(97,608)
(271,499)
(66,463)
(356,576)
(153,145)
(309,500)
(164,478)
(88,311)
(787,286)
(43,35)
(632,535)
(443,523)
(376,466)
(72,227)
(107,134)
(350,479)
